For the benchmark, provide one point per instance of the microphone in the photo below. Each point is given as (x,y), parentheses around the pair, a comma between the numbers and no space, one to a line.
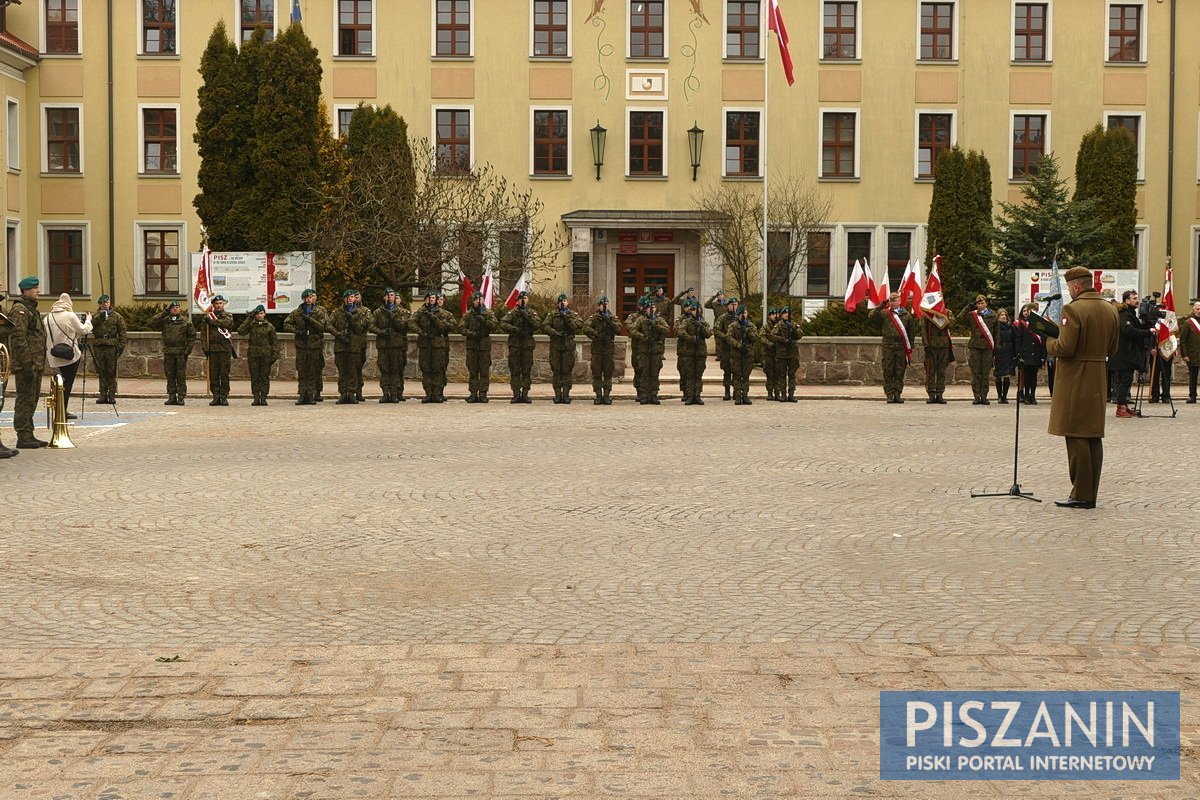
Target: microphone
(1042,296)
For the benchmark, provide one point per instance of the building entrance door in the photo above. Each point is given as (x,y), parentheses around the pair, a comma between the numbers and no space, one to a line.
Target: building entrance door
(636,272)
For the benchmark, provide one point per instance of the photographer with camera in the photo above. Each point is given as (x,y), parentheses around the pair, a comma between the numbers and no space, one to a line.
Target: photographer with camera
(1136,339)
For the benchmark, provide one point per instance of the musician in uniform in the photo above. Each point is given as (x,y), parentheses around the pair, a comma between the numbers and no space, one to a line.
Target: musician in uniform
(477,327)
(391,346)
(980,347)
(520,323)
(307,322)
(1189,348)
(27,349)
(108,339)
(220,349)
(602,328)
(898,328)
(562,325)
(178,336)
(261,352)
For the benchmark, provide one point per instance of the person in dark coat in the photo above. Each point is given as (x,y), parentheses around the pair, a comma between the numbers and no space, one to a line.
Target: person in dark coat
(1005,355)
(1136,339)
(1031,354)
(1189,348)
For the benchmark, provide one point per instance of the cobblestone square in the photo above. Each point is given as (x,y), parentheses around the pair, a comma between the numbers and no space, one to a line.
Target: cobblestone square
(535,601)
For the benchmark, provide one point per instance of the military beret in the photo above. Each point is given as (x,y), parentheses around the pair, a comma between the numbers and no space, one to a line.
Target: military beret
(348,293)
(430,293)
(174,304)
(522,294)
(28,283)
(642,301)
(389,290)
(743,309)
(733,300)
(219,299)
(308,293)
(103,298)
(785,310)
(257,309)
(603,300)
(560,298)
(691,288)
(1073,274)
(476,295)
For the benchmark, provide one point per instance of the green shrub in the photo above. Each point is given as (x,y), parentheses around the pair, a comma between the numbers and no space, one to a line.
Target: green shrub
(834,320)
(137,318)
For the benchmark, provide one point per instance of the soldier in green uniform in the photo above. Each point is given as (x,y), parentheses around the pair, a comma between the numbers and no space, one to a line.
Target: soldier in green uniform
(767,352)
(359,348)
(220,349)
(262,352)
(477,327)
(308,322)
(786,335)
(682,300)
(27,349)
(635,346)
(602,328)
(350,325)
(651,331)
(724,317)
(108,343)
(178,336)
(939,353)
(740,334)
(980,347)
(391,346)
(433,324)
(898,328)
(562,325)
(520,323)
(691,334)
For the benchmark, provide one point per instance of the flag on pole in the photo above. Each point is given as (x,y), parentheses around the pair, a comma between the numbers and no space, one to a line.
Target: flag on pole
(1167,328)
(487,287)
(775,23)
(932,298)
(858,288)
(467,288)
(295,10)
(882,289)
(872,290)
(1168,301)
(911,287)
(1053,310)
(511,302)
(203,289)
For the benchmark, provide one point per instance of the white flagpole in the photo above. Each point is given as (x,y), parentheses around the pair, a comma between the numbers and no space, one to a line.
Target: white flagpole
(762,164)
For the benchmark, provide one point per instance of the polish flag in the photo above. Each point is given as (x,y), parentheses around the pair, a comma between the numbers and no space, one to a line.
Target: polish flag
(1168,299)
(932,298)
(511,302)
(202,290)
(858,287)
(464,293)
(882,289)
(911,286)
(487,287)
(775,23)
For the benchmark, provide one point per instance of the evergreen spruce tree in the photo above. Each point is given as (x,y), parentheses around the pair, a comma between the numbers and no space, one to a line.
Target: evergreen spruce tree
(960,225)
(221,142)
(1106,171)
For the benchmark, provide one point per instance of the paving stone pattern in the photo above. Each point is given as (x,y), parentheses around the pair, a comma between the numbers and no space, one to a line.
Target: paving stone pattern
(544,601)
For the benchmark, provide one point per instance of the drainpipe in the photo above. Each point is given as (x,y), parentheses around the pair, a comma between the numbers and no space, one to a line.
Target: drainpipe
(112,186)
(1171,141)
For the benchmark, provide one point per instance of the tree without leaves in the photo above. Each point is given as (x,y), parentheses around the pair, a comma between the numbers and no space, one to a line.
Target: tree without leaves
(960,225)
(731,224)
(1106,171)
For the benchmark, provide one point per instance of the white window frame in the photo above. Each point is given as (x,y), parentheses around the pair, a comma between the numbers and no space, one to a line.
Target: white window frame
(955,32)
(1143,37)
(433,53)
(275,29)
(837,275)
(45,144)
(762,34)
(821,112)
(1047,141)
(858,34)
(14,259)
(725,112)
(433,129)
(916,245)
(42,33)
(1012,33)
(953,112)
(570,143)
(141,22)
(139,250)
(12,121)
(1141,139)
(1141,255)
(570,35)
(44,227)
(337,109)
(629,39)
(666,142)
(142,108)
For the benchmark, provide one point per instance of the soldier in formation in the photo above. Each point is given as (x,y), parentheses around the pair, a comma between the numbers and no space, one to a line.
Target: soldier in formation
(562,325)
(220,349)
(27,349)
(898,328)
(520,323)
(650,331)
(602,328)
(350,325)
(178,336)
(434,324)
(740,335)
(692,333)
(262,352)
(308,322)
(786,335)
(981,346)
(108,343)
(391,321)
(725,316)
(766,351)
(939,353)
(477,326)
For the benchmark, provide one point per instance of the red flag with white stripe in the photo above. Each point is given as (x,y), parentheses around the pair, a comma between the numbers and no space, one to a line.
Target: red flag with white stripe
(511,302)
(858,287)
(465,292)
(202,290)
(910,287)
(775,23)
(487,287)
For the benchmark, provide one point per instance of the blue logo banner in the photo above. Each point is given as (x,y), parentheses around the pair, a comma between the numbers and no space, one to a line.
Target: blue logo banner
(1010,735)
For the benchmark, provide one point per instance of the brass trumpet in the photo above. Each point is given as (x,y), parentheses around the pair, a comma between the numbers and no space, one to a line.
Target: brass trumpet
(56,409)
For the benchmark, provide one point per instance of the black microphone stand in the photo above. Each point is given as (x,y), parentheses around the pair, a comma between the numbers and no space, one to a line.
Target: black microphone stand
(1015,489)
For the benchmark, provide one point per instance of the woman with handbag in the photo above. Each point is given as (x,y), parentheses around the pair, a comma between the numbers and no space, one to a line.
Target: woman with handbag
(63,329)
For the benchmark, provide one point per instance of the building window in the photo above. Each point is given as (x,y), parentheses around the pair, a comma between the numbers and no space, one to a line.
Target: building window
(647,29)
(512,258)
(64,260)
(344,113)
(160,249)
(550,153)
(356,28)
(62,140)
(741,143)
(937,31)
(841,31)
(158,27)
(13,133)
(899,251)
(817,264)
(858,248)
(453,141)
(160,138)
(62,26)
(1133,124)
(646,143)
(935,133)
(1124,32)
(838,144)
(258,14)
(453,28)
(779,262)
(1029,143)
(550,28)
(742,28)
(1029,31)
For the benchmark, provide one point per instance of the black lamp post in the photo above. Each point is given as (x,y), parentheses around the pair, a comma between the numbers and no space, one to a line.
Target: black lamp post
(598,134)
(695,142)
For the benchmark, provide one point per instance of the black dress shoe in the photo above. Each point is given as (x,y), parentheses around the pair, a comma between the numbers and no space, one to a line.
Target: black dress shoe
(1071,502)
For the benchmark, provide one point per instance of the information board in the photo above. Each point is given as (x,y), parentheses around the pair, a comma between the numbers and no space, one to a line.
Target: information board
(1109,282)
(245,280)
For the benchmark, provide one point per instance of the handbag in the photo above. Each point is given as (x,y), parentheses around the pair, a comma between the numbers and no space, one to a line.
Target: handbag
(61,350)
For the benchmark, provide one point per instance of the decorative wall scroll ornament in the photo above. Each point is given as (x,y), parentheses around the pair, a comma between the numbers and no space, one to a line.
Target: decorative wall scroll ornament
(691,83)
(601,83)
(698,11)
(597,8)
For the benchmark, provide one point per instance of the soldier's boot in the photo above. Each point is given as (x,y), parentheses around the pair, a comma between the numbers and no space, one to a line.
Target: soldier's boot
(1000,391)
(8,452)
(216,400)
(179,399)
(599,401)
(358,397)
(441,394)
(29,442)
(170,401)
(516,398)
(474,398)
(557,395)
(727,390)
(525,397)
(567,395)
(399,394)
(791,397)
(345,399)
(899,399)
(483,398)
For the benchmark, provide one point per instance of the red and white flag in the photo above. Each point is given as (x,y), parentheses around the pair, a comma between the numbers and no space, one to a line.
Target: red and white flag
(882,289)
(203,289)
(1167,327)
(1168,301)
(511,302)
(464,293)
(910,286)
(775,23)
(487,287)
(858,288)
(932,298)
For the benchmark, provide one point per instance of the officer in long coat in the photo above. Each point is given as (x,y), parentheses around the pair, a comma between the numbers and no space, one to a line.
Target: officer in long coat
(1087,337)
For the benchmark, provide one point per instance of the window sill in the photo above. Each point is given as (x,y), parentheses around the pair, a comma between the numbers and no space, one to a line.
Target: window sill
(452,58)
(354,58)
(647,60)
(539,177)
(158,176)
(839,179)
(751,62)
(1125,64)
(1015,63)
(937,62)
(836,61)
(14,170)
(742,178)
(62,174)
(646,177)
(550,59)
(61,55)
(924,179)
(159,56)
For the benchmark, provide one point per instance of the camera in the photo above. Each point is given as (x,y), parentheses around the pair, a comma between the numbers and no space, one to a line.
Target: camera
(1150,310)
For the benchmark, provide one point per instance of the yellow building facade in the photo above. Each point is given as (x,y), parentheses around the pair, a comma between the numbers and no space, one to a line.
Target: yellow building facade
(101,108)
